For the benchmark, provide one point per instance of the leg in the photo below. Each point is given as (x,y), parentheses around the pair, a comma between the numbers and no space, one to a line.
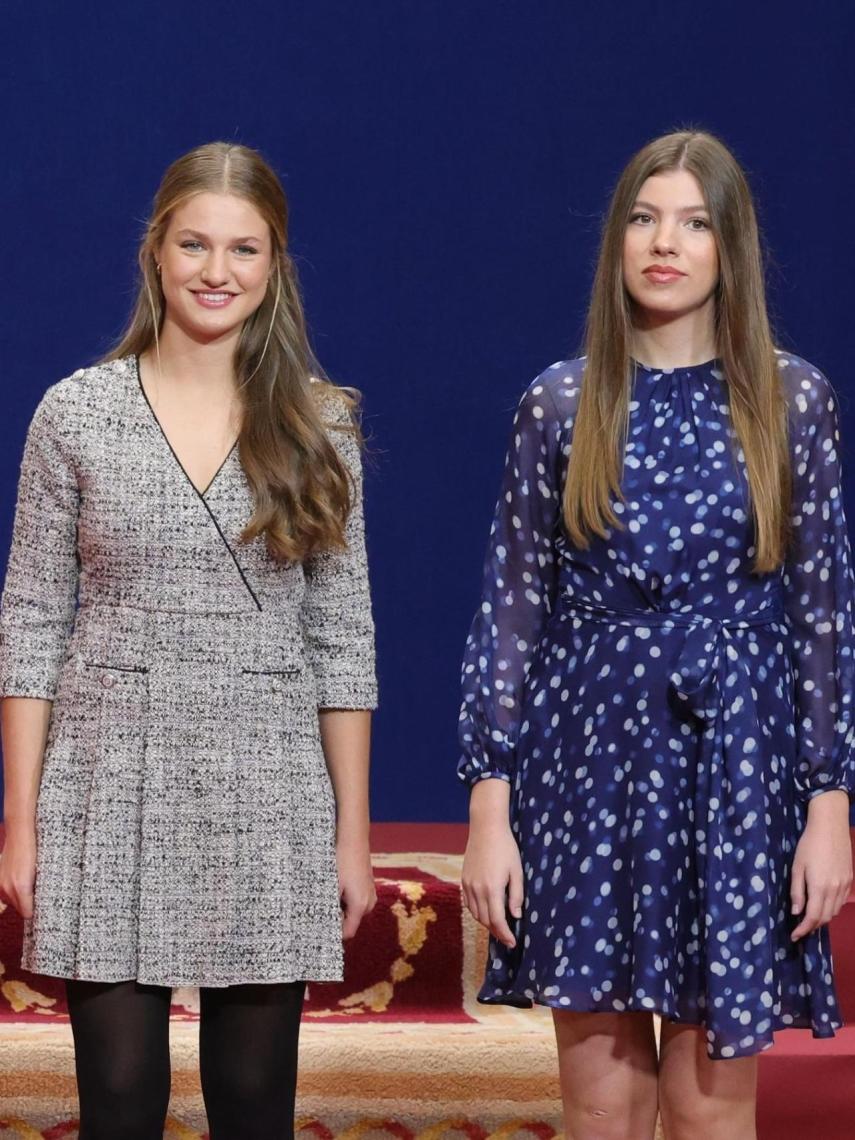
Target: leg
(248,1059)
(700,1097)
(121,1053)
(607,1066)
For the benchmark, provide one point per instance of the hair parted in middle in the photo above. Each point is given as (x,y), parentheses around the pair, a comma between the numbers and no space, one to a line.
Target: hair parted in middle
(744,347)
(301,487)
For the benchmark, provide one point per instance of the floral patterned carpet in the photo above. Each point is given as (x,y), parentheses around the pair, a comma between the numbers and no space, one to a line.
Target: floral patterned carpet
(401,1050)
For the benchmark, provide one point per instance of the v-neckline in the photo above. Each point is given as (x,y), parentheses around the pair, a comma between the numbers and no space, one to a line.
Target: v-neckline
(201,492)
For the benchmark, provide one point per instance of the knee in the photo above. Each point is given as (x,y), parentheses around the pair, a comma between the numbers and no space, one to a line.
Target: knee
(247,1092)
(687,1118)
(244,1086)
(599,1121)
(126,1103)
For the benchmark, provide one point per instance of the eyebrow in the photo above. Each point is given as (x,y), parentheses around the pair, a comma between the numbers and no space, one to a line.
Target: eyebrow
(199,234)
(682,210)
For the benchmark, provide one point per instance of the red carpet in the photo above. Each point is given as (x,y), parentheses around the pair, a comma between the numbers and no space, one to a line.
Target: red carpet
(405,963)
(463,1070)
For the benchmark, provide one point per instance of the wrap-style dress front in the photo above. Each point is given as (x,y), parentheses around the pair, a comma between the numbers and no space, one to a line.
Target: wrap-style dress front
(185,818)
(663,713)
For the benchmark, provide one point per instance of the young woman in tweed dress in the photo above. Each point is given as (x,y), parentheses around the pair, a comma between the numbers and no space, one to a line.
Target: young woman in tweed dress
(187,671)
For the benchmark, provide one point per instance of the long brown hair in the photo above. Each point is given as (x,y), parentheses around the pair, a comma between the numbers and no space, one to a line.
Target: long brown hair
(745,349)
(301,487)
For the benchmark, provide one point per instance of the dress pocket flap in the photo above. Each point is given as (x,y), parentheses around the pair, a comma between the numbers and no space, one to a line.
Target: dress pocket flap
(277,669)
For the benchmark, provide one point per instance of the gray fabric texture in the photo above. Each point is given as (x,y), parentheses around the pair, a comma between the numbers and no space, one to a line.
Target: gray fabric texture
(185,821)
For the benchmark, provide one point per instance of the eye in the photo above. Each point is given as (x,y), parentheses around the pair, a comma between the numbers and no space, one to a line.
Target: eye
(698,224)
(245,249)
(191,244)
(640,218)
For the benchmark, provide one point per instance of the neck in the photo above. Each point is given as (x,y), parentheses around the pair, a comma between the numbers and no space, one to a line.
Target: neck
(192,363)
(674,342)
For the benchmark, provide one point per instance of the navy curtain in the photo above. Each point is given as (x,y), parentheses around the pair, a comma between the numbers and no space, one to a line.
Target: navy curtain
(447,165)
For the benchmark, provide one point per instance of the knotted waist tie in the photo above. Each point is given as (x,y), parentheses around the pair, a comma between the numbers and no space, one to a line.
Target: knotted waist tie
(709,648)
(713,685)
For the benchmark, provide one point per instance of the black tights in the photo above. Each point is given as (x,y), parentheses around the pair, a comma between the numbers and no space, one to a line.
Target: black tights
(247,1058)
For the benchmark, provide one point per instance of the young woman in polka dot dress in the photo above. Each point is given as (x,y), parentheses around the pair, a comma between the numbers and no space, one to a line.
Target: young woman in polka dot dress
(658,686)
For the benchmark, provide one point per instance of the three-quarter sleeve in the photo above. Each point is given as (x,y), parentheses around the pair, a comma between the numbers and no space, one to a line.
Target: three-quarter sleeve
(336,618)
(40,591)
(518,595)
(819,593)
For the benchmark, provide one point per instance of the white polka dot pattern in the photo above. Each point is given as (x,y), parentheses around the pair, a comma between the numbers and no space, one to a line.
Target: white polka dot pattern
(663,714)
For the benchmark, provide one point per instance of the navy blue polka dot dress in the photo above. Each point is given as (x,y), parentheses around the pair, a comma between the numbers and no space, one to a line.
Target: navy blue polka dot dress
(663,714)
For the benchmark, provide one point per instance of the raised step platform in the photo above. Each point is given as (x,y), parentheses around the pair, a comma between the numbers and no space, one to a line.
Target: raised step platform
(402,1048)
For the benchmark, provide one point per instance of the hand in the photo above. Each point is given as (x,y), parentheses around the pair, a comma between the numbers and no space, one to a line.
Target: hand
(18,869)
(822,866)
(492,872)
(356,884)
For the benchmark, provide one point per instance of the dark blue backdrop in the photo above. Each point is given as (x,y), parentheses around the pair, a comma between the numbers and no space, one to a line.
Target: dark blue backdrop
(447,165)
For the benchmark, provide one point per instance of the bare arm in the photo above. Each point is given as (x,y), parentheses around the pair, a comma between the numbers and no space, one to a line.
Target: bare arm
(24,722)
(822,866)
(492,868)
(346,739)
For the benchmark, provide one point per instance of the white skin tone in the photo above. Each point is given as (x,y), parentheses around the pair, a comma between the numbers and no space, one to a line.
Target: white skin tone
(612,1080)
(215,264)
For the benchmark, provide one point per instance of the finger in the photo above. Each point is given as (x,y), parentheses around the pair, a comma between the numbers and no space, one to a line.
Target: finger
(20,895)
(351,921)
(515,892)
(801,930)
(498,922)
(478,906)
(797,889)
(810,921)
(842,898)
(827,905)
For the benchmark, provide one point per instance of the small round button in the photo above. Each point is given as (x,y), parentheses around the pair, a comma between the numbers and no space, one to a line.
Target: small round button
(108,680)
(276,686)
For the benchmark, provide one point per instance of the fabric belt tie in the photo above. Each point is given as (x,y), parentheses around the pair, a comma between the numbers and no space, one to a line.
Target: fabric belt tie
(713,686)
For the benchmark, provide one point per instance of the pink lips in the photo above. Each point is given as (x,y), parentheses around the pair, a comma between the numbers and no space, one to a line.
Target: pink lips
(213,298)
(662,274)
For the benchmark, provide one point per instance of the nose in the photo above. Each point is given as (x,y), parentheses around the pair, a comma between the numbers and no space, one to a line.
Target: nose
(664,241)
(215,271)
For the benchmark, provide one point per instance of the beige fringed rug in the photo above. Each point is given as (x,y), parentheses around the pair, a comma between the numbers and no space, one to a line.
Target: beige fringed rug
(401,1050)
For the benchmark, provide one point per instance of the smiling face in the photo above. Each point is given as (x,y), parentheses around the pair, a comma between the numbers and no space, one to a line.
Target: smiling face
(670,257)
(215,262)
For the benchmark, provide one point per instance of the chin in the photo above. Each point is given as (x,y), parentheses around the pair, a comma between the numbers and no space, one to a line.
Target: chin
(210,332)
(666,307)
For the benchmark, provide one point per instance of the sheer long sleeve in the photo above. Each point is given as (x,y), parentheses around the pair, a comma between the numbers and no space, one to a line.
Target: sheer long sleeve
(39,596)
(519,587)
(819,591)
(336,618)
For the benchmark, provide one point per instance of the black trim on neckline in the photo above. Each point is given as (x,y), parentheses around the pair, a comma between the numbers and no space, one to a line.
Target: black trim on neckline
(154,416)
(199,494)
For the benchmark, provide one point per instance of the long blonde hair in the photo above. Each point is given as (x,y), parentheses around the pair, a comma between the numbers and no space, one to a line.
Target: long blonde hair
(300,486)
(745,349)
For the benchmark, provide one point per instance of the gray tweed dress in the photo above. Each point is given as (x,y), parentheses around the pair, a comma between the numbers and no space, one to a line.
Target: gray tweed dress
(185,821)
